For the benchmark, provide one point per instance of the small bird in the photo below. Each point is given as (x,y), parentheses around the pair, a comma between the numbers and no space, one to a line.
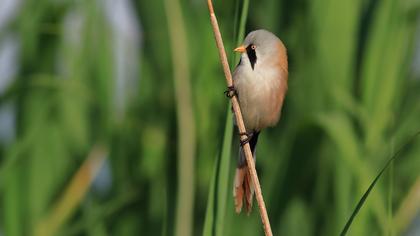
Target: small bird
(260,83)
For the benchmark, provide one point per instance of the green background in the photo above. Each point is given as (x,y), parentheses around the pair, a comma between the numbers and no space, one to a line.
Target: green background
(155,123)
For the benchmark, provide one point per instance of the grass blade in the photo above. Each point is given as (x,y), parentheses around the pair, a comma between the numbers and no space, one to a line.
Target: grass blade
(209,224)
(372,185)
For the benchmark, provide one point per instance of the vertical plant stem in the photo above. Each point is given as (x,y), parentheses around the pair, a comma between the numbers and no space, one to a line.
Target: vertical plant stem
(185,119)
(240,122)
(223,178)
(226,153)
(244,16)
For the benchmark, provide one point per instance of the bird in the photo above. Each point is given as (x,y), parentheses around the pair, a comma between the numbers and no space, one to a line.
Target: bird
(260,84)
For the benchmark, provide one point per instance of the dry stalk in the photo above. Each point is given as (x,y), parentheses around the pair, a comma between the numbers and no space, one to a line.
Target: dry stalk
(408,208)
(73,194)
(240,122)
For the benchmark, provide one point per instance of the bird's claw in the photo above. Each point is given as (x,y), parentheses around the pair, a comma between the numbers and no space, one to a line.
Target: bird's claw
(230,92)
(246,139)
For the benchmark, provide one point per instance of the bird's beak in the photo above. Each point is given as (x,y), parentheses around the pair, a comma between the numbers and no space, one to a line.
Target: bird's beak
(240,49)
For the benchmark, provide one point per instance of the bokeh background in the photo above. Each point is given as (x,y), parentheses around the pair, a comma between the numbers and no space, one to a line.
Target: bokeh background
(113,119)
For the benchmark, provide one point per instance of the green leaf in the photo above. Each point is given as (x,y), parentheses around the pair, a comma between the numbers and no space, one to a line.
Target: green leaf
(372,185)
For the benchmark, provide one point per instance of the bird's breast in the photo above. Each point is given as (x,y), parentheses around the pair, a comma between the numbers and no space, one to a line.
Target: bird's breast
(261,94)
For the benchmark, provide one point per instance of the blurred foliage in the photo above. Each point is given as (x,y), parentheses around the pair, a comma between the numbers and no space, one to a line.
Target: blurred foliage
(353,99)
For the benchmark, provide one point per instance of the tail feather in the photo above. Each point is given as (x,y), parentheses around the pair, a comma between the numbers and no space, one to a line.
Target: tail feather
(242,187)
(249,192)
(238,188)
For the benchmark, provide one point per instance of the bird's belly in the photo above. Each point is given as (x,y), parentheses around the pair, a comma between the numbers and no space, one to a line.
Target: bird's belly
(258,102)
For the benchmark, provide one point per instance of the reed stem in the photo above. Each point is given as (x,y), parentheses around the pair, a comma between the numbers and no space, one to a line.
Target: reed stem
(240,123)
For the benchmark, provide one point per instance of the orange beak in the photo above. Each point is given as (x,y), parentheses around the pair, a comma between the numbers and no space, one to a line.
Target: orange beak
(240,49)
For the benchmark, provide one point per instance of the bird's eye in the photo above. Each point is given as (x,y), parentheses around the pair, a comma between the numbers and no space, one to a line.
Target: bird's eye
(253,47)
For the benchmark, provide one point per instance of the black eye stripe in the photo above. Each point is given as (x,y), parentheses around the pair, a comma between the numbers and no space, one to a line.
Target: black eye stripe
(251,55)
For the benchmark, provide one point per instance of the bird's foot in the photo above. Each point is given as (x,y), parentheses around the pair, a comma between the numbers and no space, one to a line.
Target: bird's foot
(230,92)
(246,139)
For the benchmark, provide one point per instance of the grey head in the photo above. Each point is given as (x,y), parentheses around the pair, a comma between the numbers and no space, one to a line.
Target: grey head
(261,46)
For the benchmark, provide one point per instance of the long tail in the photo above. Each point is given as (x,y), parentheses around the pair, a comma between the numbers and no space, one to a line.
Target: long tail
(242,186)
